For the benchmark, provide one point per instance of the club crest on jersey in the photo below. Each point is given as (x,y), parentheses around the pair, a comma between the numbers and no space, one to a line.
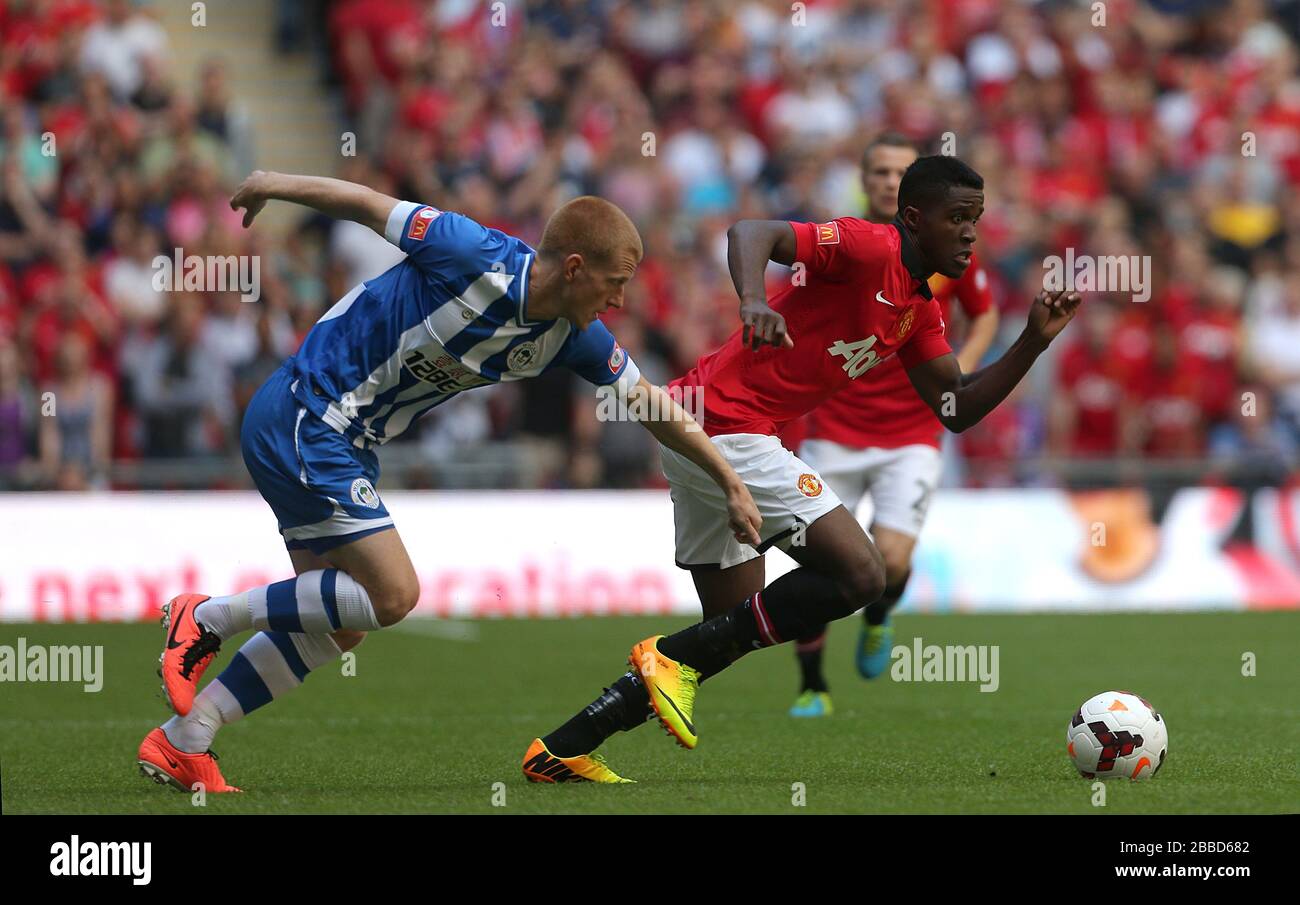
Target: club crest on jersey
(828,234)
(616,358)
(420,222)
(521,356)
(364,494)
(809,484)
(905,322)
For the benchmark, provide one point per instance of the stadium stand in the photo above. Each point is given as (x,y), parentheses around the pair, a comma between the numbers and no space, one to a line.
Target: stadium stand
(125,128)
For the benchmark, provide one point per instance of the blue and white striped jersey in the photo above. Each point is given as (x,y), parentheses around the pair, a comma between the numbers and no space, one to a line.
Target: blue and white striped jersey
(451,316)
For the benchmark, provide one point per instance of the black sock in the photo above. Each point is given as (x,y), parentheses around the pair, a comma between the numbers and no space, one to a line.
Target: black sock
(809,651)
(795,605)
(875,613)
(624,705)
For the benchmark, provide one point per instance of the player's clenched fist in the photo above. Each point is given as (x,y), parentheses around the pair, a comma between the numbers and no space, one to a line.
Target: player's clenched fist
(1051,311)
(252,195)
(762,326)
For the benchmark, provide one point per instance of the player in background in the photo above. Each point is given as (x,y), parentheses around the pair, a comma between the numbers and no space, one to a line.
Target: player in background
(467,307)
(880,438)
(865,299)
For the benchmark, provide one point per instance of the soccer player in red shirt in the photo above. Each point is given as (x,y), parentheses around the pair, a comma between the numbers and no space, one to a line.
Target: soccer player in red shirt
(877,437)
(1091,409)
(859,295)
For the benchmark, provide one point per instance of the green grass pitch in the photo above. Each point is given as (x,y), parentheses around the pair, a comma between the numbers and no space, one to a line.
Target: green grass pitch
(438,713)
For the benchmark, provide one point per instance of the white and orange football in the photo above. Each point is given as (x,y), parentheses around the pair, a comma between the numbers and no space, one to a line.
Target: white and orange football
(1117,733)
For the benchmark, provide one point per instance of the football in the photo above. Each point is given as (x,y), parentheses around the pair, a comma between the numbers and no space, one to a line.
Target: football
(1117,733)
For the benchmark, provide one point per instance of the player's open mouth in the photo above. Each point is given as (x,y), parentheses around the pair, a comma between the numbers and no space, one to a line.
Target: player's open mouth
(962,257)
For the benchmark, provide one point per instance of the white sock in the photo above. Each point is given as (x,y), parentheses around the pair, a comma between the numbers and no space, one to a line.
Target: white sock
(270,664)
(229,616)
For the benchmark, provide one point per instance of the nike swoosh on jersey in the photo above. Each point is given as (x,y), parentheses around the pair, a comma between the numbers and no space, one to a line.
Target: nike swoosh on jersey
(880,297)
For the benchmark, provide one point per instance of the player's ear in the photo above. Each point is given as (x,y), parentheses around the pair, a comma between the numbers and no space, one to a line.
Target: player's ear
(573,264)
(911,217)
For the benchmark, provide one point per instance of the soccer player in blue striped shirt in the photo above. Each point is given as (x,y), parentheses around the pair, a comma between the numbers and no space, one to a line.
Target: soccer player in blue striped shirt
(468,306)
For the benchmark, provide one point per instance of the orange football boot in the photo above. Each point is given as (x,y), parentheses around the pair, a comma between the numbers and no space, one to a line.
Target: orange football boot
(168,765)
(540,765)
(190,648)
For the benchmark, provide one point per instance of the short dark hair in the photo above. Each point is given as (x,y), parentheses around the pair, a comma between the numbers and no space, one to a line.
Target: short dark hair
(929,180)
(888,140)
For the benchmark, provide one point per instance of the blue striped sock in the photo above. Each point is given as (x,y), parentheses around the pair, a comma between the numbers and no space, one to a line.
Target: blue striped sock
(321,601)
(269,665)
(316,602)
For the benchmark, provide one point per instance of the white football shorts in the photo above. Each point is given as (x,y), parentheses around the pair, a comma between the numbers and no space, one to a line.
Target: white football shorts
(788,493)
(899,481)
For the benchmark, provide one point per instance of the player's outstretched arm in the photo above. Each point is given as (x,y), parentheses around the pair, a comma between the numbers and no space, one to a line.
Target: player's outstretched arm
(332,197)
(750,245)
(961,400)
(674,427)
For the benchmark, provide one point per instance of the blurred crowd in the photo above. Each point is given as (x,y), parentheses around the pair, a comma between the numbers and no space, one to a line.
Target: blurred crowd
(1171,130)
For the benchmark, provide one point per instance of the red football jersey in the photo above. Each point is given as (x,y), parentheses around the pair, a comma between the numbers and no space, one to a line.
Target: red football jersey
(1166,401)
(1092,378)
(860,303)
(887,412)
(1208,345)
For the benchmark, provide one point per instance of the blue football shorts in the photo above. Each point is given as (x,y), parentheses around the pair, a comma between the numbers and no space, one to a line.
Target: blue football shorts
(320,486)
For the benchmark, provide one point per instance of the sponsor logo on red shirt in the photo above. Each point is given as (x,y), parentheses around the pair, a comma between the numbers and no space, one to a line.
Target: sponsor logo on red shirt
(828,234)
